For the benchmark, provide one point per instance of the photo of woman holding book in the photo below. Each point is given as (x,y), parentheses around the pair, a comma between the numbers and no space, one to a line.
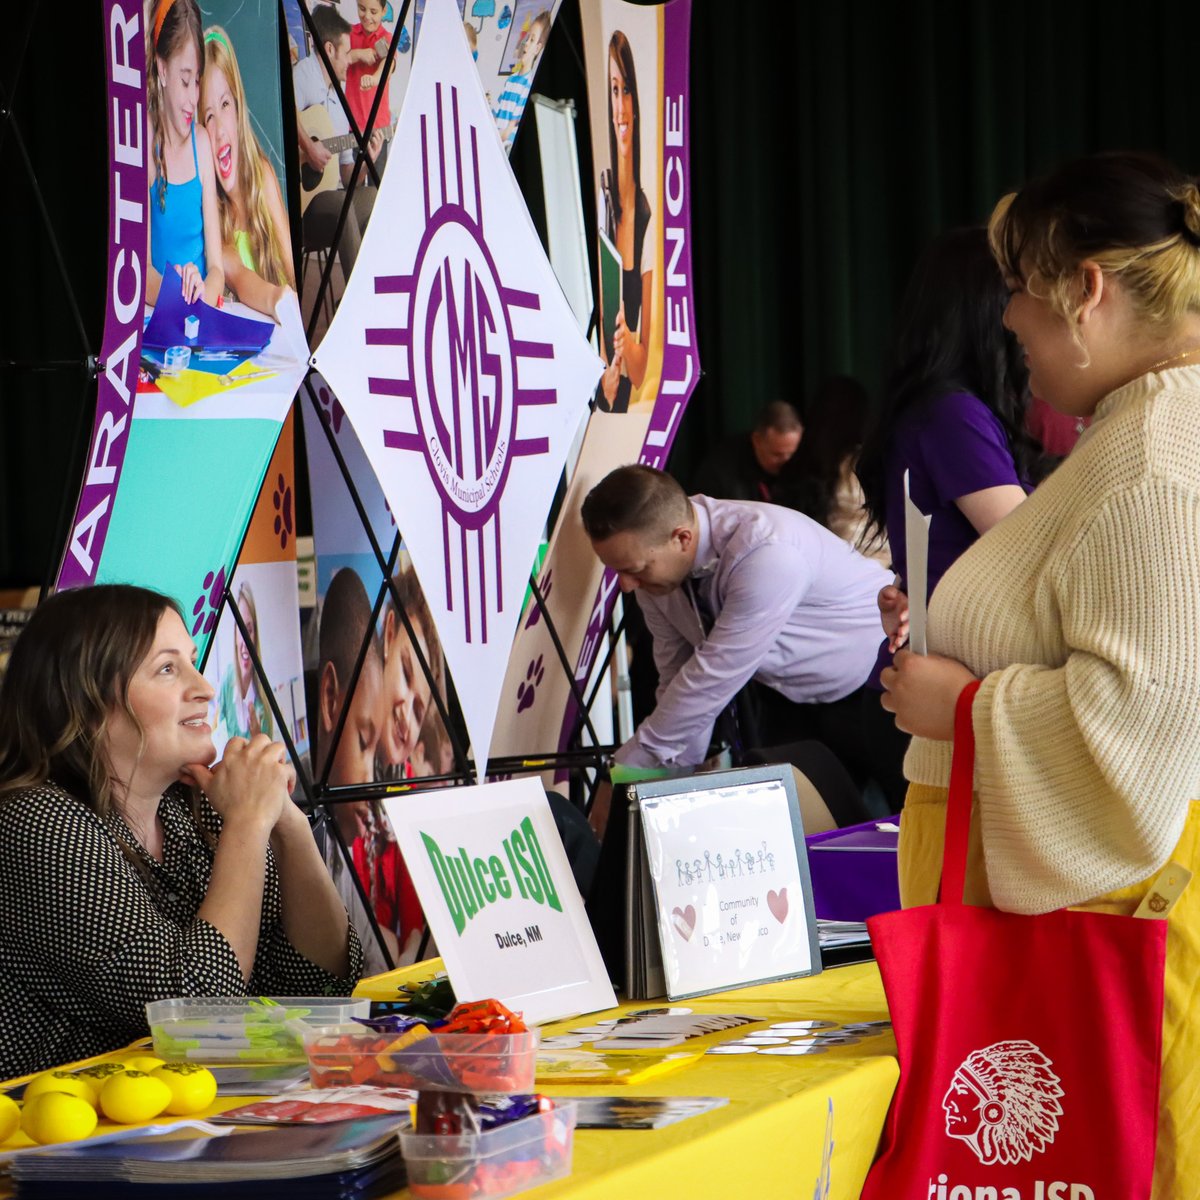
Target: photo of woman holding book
(628,239)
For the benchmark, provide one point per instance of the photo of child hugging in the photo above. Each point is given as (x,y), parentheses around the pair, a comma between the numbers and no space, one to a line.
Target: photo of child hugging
(381,867)
(515,95)
(185,231)
(369,42)
(406,690)
(256,249)
(345,625)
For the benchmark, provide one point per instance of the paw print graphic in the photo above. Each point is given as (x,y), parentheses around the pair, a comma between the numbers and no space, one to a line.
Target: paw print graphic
(535,613)
(283,510)
(332,412)
(526,692)
(208,603)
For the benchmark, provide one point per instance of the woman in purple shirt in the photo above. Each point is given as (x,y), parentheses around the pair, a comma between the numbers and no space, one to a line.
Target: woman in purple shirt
(953,417)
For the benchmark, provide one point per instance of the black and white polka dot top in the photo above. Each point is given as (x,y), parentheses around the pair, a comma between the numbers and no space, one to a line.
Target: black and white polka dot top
(87,939)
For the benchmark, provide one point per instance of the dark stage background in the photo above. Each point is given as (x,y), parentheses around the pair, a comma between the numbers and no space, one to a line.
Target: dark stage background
(829,143)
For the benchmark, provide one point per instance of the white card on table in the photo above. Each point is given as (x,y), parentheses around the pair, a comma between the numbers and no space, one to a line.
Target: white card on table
(498,893)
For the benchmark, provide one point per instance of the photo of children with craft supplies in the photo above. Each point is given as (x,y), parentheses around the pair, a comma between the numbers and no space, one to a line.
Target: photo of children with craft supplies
(222,280)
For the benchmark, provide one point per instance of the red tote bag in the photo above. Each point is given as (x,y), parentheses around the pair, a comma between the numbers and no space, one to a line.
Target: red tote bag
(1030,1047)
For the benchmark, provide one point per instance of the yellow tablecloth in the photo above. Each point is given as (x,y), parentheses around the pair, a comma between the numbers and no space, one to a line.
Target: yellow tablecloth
(794,1126)
(770,1141)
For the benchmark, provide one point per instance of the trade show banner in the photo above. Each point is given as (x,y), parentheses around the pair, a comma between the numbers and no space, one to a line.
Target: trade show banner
(393,730)
(460,365)
(203,346)
(265,589)
(637,63)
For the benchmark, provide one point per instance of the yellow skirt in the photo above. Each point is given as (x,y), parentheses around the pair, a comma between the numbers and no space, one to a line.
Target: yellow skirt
(1177,1160)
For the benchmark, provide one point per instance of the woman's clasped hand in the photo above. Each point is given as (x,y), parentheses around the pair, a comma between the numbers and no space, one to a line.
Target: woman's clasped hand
(250,786)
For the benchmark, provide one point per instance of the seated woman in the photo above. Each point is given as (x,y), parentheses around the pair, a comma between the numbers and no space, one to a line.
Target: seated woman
(131,870)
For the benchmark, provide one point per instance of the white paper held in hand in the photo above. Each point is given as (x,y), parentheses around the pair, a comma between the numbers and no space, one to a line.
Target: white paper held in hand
(916,542)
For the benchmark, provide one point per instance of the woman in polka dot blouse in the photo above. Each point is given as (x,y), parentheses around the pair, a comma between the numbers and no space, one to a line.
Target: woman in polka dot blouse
(130,869)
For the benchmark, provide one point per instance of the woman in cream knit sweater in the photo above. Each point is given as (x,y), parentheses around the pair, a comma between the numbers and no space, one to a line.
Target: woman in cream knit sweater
(1080,611)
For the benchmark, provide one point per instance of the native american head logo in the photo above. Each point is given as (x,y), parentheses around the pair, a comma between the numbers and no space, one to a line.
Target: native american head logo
(1004,1102)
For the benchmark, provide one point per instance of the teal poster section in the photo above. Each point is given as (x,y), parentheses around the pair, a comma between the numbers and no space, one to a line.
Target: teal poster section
(178,526)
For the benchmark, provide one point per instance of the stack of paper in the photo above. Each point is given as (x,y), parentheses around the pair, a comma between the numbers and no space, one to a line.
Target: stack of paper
(842,933)
(351,1160)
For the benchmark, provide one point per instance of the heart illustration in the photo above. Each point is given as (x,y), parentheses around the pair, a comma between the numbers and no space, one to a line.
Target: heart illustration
(684,920)
(778,904)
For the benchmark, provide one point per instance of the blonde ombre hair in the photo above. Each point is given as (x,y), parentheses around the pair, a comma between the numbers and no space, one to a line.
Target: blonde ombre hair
(266,243)
(1135,215)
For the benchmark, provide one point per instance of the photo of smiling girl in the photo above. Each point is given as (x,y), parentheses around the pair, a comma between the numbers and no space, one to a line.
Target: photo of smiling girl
(184,229)
(256,249)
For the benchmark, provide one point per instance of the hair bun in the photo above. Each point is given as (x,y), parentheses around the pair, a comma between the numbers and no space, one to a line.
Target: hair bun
(1188,198)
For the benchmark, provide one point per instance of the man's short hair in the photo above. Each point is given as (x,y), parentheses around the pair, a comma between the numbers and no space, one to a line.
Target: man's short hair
(329,24)
(635,499)
(780,417)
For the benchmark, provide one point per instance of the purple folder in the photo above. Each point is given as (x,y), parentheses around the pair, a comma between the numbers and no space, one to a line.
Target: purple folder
(854,871)
(218,330)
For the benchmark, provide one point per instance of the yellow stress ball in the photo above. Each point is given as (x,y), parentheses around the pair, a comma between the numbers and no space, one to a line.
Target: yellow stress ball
(57,1117)
(10,1118)
(142,1062)
(193,1087)
(133,1097)
(99,1072)
(62,1081)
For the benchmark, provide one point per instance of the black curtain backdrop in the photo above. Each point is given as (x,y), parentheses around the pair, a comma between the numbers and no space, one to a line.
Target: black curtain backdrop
(829,143)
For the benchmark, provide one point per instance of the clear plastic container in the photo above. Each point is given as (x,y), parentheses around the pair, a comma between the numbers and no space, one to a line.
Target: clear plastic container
(500,1162)
(242,1028)
(345,1054)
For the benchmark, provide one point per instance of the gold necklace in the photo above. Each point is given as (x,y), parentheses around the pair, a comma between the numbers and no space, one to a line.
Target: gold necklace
(1174,358)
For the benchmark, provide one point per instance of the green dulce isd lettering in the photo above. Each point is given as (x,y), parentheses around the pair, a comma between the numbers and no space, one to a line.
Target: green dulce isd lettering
(471,884)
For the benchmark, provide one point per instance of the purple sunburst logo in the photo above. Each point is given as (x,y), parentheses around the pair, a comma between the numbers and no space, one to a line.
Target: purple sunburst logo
(458,364)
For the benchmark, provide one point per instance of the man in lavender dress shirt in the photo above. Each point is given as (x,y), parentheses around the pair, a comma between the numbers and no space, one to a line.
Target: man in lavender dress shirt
(734,591)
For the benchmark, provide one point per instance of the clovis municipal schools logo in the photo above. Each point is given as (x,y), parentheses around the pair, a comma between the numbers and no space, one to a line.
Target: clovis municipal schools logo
(459,364)
(1004,1102)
